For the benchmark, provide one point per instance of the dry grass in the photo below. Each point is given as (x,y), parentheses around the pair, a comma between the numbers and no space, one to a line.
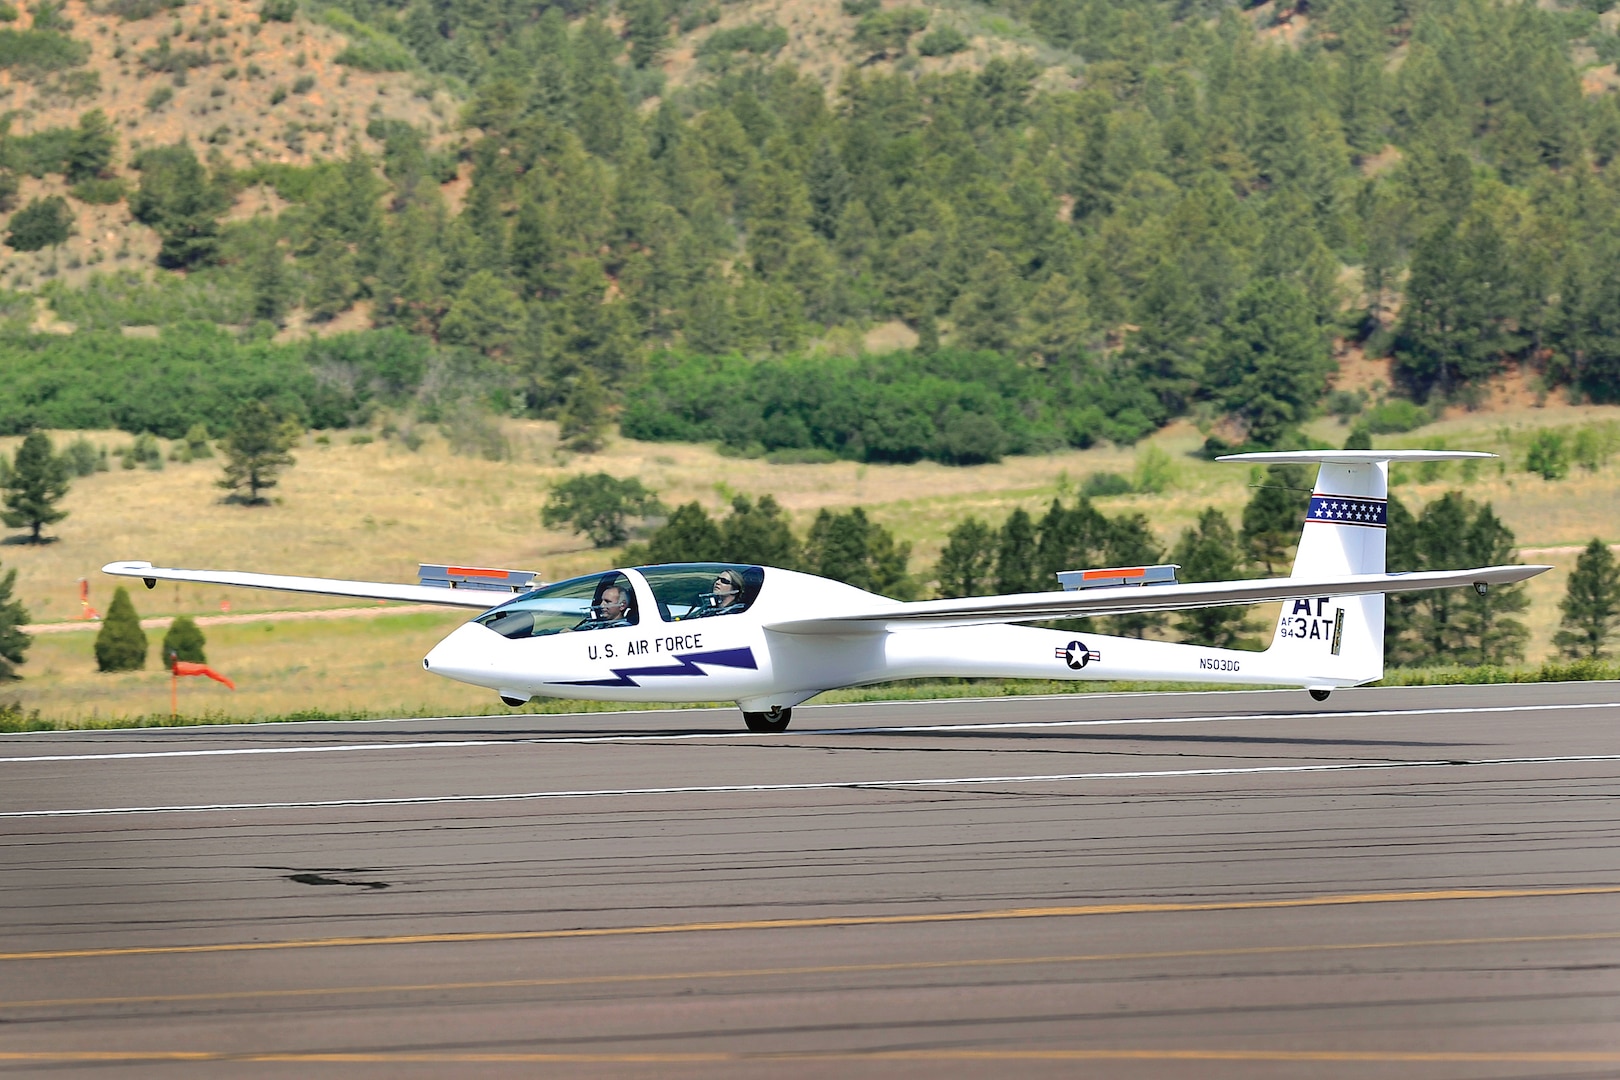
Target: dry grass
(374,511)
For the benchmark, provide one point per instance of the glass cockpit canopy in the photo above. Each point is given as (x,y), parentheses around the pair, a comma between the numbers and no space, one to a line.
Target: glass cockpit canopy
(698,590)
(582,603)
(681,590)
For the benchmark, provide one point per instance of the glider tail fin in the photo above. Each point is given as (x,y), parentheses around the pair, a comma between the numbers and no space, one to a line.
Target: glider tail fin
(1339,640)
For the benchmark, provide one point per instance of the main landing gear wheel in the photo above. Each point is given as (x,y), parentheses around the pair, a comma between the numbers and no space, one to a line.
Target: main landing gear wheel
(775,720)
(1320,695)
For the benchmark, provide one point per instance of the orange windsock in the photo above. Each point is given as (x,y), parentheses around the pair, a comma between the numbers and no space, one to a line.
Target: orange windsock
(186,667)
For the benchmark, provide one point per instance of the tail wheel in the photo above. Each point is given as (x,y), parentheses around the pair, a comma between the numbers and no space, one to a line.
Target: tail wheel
(1320,695)
(775,720)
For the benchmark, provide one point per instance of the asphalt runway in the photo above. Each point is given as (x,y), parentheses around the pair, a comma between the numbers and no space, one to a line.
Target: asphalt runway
(1394,883)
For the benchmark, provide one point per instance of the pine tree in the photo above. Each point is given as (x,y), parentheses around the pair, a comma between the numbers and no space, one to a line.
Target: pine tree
(1015,554)
(583,420)
(90,152)
(1209,552)
(121,643)
(689,535)
(1591,604)
(36,481)
(964,567)
(852,548)
(184,641)
(13,616)
(179,201)
(1272,518)
(1495,637)
(829,185)
(1270,360)
(986,314)
(759,533)
(1131,542)
(256,450)
(647,26)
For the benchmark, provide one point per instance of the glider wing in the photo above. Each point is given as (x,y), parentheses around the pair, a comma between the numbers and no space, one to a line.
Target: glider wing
(1121,600)
(482,599)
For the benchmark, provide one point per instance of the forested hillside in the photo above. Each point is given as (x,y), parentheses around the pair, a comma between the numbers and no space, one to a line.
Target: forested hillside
(1092,216)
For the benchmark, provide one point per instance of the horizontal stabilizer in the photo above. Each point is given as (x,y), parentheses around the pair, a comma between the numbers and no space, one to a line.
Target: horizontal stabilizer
(1352,457)
(482,599)
(1125,599)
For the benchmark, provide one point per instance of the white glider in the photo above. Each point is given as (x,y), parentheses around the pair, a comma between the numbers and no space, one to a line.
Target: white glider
(770,639)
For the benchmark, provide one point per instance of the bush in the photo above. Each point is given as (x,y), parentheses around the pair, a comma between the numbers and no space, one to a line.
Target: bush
(135,10)
(42,223)
(1102,484)
(758,38)
(159,98)
(144,451)
(34,52)
(369,49)
(99,192)
(184,641)
(278,10)
(197,374)
(942,41)
(121,643)
(948,406)
(82,457)
(1395,416)
(303,84)
(1548,457)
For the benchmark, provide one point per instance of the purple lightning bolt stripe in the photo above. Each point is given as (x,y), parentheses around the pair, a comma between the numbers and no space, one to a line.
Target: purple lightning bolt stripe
(731,658)
(1348,510)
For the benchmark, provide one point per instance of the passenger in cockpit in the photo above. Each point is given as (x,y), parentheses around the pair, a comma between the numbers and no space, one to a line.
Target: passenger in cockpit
(726,599)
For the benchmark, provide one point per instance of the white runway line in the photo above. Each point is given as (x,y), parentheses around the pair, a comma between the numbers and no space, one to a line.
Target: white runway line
(721,789)
(1008,725)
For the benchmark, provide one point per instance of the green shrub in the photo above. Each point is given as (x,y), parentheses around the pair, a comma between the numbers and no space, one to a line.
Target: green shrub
(184,641)
(159,98)
(35,52)
(135,10)
(955,407)
(942,41)
(121,643)
(1101,484)
(758,38)
(200,374)
(1395,416)
(1548,457)
(303,84)
(278,11)
(99,192)
(82,457)
(369,49)
(42,223)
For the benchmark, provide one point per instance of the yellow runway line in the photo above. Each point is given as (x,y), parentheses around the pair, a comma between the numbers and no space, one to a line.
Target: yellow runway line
(820,969)
(828,921)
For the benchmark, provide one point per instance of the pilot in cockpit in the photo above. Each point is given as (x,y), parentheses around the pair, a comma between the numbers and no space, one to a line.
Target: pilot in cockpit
(612,609)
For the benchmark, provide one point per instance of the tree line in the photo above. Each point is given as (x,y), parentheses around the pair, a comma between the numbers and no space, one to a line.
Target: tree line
(1168,234)
(1024,553)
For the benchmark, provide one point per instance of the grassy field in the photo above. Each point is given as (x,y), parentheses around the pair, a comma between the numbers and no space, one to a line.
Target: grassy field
(375,510)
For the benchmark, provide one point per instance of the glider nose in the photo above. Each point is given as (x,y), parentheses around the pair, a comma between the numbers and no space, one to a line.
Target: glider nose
(466,655)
